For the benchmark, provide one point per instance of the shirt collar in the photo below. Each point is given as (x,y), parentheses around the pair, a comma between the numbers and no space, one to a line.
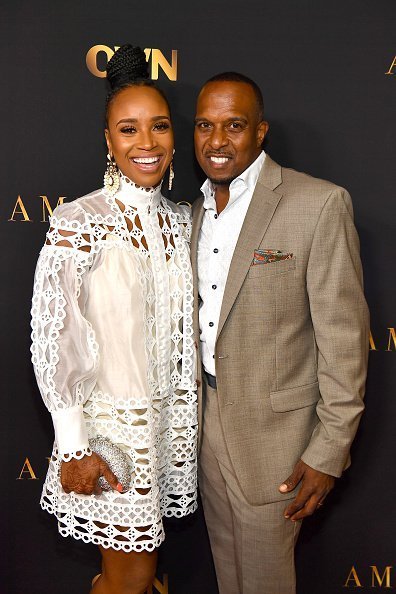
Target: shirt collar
(247,180)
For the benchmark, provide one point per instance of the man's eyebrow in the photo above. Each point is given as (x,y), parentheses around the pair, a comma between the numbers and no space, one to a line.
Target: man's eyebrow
(232,119)
(237,119)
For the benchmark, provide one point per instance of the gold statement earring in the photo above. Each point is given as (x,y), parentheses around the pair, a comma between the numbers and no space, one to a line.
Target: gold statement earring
(111,177)
(171,173)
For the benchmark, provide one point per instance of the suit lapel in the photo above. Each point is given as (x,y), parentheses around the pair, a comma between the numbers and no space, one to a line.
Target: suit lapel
(261,209)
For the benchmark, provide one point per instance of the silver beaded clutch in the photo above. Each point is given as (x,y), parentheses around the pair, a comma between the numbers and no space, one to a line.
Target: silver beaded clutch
(118,461)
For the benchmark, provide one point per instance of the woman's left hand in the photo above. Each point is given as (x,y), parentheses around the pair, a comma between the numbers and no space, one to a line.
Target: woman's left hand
(81,476)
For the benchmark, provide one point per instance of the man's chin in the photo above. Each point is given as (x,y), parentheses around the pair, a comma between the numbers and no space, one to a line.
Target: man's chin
(225,181)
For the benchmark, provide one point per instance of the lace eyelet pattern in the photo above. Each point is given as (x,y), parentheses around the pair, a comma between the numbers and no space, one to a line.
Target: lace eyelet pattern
(150,413)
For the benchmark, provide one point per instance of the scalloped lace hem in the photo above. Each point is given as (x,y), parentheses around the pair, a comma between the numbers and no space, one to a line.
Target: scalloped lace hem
(108,543)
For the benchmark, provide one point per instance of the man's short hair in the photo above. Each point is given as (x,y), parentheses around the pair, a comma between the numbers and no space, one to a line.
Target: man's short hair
(237,77)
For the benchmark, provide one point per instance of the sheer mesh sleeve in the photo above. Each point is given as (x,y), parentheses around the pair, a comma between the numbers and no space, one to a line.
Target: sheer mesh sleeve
(64,351)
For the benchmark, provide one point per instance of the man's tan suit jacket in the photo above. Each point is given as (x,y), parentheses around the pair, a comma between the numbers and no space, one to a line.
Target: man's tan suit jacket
(292,343)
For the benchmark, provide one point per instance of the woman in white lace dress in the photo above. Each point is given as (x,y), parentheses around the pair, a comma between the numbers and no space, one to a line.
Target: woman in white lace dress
(113,346)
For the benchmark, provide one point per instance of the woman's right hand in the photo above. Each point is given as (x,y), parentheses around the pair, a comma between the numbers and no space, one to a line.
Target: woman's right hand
(81,476)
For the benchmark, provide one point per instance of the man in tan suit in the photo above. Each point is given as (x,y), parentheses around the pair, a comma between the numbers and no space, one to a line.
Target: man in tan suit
(283,328)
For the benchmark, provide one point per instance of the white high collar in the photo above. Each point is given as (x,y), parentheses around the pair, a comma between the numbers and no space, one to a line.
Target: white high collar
(133,195)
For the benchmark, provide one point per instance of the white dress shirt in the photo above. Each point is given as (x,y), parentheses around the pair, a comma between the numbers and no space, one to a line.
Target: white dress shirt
(217,240)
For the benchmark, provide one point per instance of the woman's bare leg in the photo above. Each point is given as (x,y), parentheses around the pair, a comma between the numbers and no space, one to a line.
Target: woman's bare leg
(125,573)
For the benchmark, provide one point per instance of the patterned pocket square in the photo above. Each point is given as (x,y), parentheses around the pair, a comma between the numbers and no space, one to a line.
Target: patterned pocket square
(269,256)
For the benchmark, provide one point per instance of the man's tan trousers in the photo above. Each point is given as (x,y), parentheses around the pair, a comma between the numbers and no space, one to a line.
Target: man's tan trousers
(252,546)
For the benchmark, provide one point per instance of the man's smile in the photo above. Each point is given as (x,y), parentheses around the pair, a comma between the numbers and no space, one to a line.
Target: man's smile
(218,161)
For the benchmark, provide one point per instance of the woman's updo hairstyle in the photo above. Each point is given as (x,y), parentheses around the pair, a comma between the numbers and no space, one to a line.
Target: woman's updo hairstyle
(128,67)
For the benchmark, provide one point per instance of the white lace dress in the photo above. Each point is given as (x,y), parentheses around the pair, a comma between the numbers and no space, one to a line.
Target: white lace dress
(114,355)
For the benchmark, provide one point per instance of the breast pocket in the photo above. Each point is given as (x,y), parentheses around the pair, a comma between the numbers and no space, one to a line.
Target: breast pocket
(272,269)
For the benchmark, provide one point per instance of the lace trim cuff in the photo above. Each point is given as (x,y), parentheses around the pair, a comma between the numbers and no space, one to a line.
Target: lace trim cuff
(77,455)
(71,433)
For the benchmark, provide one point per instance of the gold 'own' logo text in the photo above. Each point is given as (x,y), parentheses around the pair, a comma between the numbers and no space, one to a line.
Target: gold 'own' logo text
(98,56)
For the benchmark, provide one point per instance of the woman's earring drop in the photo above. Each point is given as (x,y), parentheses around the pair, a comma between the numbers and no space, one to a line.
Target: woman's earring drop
(171,175)
(111,177)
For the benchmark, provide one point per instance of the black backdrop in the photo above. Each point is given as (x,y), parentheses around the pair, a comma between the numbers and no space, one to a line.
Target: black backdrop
(328,74)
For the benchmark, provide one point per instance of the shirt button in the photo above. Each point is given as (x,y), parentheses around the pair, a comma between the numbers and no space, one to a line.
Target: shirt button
(216,251)
(214,286)
(211,324)
(216,215)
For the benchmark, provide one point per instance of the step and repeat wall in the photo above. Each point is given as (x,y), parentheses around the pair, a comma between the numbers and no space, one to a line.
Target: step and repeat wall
(327,70)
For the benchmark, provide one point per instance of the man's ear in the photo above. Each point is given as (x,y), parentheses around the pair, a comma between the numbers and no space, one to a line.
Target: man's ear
(262,130)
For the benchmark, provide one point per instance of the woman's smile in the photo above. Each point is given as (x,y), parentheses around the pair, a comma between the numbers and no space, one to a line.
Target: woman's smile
(150,164)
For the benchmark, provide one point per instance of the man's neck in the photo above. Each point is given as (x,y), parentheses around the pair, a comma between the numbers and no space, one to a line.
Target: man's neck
(222,196)
(222,191)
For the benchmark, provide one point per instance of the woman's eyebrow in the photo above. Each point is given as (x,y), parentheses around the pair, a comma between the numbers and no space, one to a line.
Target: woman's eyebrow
(134,120)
